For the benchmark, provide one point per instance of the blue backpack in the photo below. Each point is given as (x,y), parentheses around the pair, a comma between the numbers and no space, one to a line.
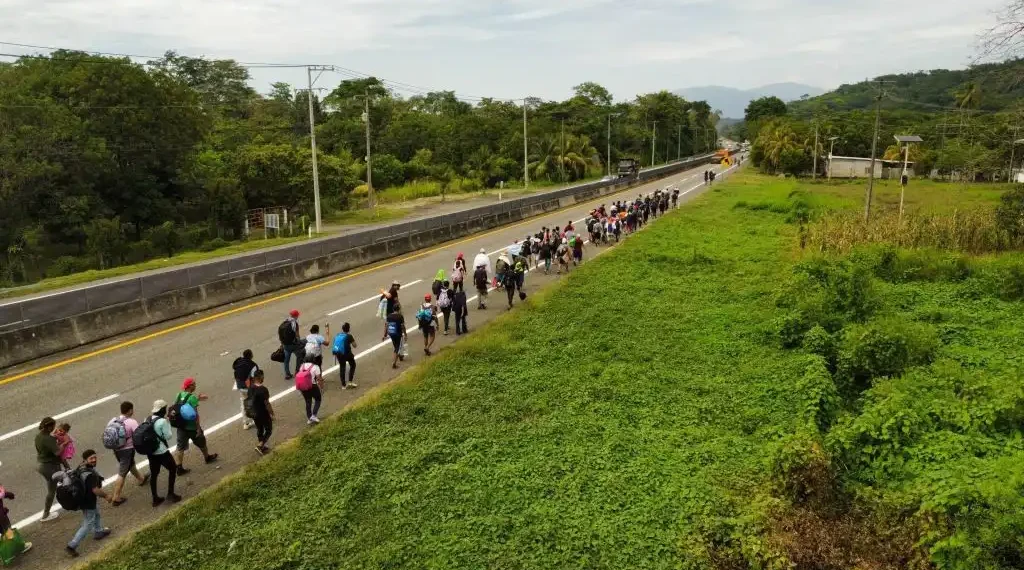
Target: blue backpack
(339,343)
(424,317)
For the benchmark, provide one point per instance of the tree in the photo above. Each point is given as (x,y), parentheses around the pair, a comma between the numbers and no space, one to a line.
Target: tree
(764,108)
(1006,38)
(779,148)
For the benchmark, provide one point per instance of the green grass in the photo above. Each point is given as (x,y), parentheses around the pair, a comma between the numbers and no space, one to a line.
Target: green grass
(617,421)
(366,216)
(159,263)
(707,395)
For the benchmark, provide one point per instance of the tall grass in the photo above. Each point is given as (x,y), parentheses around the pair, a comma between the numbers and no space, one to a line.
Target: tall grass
(972,231)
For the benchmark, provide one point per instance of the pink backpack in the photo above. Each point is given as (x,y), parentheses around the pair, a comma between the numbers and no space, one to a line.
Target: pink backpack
(304,378)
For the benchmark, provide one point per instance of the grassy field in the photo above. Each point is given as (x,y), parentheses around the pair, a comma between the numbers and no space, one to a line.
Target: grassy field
(707,395)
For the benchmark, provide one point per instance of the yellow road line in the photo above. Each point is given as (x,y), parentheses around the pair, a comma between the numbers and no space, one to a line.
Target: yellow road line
(275,298)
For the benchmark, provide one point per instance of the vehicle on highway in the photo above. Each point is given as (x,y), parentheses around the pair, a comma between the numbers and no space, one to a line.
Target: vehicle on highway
(629,168)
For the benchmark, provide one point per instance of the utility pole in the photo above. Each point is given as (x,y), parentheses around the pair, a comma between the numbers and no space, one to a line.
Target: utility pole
(561,153)
(609,141)
(831,146)
(874,149)
(1013,147)
(679,143)
(312,144)
(369,164)
(814,172)
(654,137)
(526,152)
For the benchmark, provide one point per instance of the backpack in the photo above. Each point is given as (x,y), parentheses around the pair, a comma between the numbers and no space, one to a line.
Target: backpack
(480,277)
(180,412)
(286,333)
(71,489)
(424,316)
(304,378)
(443,300)
(339,344)
(145,439)
(115,435)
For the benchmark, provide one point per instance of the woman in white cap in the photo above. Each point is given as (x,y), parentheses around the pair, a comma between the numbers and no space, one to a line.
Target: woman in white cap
(482,259)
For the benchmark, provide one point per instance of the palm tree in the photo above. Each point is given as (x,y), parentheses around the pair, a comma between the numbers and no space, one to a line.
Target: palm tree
(544,157)
(968,96)
(580,156)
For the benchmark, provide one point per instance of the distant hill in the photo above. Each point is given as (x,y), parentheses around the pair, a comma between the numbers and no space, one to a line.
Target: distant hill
(733,101)
(999,86)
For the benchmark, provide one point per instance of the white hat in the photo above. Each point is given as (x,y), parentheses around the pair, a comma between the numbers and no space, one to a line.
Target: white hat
(158,405)
(483,251)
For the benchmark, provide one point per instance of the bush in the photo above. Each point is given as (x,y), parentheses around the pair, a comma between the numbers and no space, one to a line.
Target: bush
(67,265)
(820,342)
(801,470)
(215,243)
(1010,212)
(902,265)
(846,287)
(1003,279)
(361,191)
(819,394)
(167,239)
(140,251)
(883,348)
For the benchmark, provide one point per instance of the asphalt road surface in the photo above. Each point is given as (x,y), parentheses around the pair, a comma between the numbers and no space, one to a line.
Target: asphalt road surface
(85,387)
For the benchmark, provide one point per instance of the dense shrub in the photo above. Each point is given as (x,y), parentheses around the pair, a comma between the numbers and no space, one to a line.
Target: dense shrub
(215,243)
(883,348)
(66,265)
(1010,212)
(801,469)
(897,265)
(820,342)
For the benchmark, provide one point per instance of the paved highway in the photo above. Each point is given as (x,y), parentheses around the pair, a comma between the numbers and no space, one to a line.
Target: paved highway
(85,387)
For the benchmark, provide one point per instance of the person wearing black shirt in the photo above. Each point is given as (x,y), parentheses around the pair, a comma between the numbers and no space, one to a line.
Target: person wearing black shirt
(262,411)
(93,483)
(347,356)
(394,328)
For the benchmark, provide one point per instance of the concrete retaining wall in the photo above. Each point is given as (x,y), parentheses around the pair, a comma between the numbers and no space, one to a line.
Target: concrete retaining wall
(58,322)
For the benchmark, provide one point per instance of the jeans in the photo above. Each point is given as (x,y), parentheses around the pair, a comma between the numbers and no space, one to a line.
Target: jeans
(288,352)
(460,322)
(312,397)
(447,311)
(47,470)
(90,521)
(166,461)
(351,360)
(264,427)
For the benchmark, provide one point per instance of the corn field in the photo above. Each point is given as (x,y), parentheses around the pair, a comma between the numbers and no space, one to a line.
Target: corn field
(970,231)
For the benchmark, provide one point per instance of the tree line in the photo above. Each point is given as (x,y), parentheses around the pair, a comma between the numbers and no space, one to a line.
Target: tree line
(105,161)
(970,121)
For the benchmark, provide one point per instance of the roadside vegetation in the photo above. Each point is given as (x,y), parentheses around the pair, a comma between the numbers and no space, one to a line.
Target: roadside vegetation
(714,393)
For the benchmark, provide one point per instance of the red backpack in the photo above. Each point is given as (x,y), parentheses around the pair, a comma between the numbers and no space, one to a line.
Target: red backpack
(304,378)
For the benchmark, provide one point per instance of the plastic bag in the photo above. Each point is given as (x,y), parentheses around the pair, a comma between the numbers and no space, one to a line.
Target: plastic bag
(11,547)
(403,349)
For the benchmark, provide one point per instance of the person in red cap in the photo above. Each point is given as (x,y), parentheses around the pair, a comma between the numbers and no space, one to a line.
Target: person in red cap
(291,342)
(190,429)
(459,273)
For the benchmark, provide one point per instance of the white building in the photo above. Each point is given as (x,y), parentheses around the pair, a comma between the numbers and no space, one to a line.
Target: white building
(857,167)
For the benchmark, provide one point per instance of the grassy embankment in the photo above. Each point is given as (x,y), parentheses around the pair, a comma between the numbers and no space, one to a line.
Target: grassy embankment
(708,395)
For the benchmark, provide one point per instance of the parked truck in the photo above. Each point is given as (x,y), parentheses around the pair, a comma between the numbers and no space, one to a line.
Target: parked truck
(629,168)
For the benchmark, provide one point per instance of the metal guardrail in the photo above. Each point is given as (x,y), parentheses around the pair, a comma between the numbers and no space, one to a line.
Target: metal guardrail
(25,313)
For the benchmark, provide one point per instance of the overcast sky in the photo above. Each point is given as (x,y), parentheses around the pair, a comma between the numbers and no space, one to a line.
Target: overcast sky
(512,48)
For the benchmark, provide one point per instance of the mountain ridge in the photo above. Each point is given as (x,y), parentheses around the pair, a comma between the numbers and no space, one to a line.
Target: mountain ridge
(732,101)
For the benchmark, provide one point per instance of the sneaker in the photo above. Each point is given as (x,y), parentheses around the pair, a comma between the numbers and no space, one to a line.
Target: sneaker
(288,376)
(26,547)
(50,517)
(182,471)
(119,501)
(265,450)
(309,421)
(158,501)
(71,551)
(446,332)
(248,425)
(102,534)
(314,419)
(353,385)
(174,498)
(211,458)
(259,449)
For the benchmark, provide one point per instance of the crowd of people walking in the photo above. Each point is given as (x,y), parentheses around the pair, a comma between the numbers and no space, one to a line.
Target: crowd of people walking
(170,429)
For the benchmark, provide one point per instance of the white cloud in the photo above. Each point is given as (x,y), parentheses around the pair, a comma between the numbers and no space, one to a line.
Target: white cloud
(509,48)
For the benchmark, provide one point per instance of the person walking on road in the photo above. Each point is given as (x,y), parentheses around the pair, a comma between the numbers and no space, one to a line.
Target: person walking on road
(124,426)
(48,453)
(342,348)
(426,317)
(11,543)
(577,251)
(482,259)
(93,483)
(444,303)
(439,279)
(675,198)
(244,368)
(706,177)
(151,438)
(309,380)
(190,430)
(545,255)
(263,412)
(481,282)
(564,255)
(461,307)
(389,299)
(315,343)
(394,328)
(291,342)
(459,272)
